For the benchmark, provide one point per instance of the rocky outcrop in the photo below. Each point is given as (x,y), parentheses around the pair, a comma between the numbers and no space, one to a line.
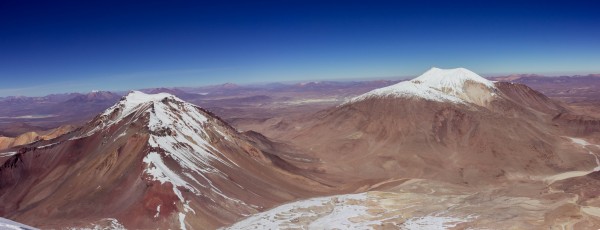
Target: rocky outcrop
(577,125)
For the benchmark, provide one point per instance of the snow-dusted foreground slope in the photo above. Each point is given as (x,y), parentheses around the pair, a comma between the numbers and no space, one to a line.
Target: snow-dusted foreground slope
(349,211)
(6,224)
(430,205)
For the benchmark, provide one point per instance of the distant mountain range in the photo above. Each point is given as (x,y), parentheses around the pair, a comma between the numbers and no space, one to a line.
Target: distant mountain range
(43,113)
(20,114)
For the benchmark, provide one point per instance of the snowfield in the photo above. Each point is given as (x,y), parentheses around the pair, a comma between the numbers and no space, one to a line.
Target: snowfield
(6,224)
(349,211)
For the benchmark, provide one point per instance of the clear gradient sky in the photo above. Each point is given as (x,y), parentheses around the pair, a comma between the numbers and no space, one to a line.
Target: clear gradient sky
(60,46)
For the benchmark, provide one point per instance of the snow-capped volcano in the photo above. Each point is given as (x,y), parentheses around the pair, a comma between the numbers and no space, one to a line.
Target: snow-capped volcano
(440,120)
(150,161)
(458,85)
(182,133)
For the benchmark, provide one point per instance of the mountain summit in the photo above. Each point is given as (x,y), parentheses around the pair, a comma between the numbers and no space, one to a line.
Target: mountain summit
(458,85)
(163,108)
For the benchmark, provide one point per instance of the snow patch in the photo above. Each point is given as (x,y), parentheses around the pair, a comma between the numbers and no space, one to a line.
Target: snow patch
(182,221)
(8,154)
(47,146)
(157,211)
(579,141)
(160,172)
(120,135)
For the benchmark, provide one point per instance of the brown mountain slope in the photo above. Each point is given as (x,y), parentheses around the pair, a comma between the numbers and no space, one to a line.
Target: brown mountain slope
(395,134)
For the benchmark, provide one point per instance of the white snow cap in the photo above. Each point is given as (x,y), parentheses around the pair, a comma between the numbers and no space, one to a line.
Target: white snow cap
(450,78)
(135,99)
(435,85)
(135,102)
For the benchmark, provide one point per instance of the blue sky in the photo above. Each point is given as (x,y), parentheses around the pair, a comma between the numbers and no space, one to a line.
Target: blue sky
(61,46)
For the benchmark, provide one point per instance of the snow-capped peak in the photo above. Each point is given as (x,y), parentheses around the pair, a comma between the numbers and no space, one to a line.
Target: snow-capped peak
(450,78)
(457,85)
(183,144)
(140,97)
(138,103)
(136,99)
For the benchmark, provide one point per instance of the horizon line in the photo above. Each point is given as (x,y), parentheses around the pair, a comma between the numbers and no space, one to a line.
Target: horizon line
(291,82)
